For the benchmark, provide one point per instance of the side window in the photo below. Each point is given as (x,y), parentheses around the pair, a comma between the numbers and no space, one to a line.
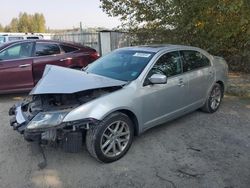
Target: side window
(193,60)
(168,64)
(2,39)
(44,49)
(22,50)
(15,38)
(68,49)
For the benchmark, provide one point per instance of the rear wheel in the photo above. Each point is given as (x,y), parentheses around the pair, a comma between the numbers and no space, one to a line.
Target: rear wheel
(111,139)
(214,99)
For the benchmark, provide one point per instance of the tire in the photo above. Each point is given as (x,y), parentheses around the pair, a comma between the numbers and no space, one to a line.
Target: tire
(214,99)
(106,145)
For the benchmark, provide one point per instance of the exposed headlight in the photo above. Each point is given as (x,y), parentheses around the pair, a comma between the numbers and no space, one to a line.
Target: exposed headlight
(47,119)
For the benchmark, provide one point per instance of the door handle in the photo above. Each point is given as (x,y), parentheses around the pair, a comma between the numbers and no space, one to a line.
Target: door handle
(211,73)
(65,59)
(181,82)
(24,65)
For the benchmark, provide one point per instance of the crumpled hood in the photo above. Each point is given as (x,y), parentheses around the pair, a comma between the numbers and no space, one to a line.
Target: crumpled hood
(62,80)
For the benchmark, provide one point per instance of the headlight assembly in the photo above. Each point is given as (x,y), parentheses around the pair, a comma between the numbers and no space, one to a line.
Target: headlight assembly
(47,120)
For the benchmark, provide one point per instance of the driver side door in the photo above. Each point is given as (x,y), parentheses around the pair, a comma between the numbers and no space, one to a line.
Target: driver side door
(16,67)
(161,102)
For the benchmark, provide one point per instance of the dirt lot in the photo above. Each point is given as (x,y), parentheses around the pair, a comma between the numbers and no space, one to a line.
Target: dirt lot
(239,84)
(198,150)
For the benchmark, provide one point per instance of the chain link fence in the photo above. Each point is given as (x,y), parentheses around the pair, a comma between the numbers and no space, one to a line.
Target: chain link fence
(93,39)
(86,39)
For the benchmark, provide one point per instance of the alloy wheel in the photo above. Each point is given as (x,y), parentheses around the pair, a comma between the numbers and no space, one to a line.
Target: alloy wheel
(215,97)
(115,138)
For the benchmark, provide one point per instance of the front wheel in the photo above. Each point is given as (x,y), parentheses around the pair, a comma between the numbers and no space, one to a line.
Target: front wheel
(214,99)
(111,139)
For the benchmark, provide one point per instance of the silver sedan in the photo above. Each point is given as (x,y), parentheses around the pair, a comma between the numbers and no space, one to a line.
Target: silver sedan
(119,96)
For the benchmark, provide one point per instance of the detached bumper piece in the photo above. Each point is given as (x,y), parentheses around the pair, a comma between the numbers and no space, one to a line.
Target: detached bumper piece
(19,121)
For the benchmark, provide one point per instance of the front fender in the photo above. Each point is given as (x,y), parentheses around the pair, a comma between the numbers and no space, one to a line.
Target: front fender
(94,110)
(105,105)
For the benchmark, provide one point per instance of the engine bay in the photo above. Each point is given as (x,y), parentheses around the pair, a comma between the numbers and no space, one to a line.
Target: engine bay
(53,102)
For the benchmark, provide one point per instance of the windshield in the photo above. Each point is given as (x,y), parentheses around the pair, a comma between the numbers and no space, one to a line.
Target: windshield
(125,65)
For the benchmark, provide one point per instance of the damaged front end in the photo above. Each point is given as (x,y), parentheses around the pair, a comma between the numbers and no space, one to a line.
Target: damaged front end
(40,117)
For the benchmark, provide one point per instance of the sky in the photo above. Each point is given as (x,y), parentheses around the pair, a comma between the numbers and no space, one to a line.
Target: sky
(60,14)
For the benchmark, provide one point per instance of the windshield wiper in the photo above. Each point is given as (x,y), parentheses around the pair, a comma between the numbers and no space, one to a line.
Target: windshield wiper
(85,68)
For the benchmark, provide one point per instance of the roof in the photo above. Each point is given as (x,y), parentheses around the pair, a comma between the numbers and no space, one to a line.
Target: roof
(156,47)
(4,45)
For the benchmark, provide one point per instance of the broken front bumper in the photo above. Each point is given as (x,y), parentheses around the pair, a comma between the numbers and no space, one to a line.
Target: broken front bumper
(19,121)
(22,121)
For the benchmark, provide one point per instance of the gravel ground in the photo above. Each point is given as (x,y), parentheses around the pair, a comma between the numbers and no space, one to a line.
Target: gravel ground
(239,84)
(197,150)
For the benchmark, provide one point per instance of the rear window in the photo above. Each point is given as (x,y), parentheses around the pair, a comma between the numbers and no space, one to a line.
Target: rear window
(44,49)
(68,49)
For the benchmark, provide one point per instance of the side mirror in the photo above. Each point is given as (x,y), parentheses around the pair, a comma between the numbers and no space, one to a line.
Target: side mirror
(158,79)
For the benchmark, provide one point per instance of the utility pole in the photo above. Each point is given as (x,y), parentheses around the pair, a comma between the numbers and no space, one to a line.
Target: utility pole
(81,27)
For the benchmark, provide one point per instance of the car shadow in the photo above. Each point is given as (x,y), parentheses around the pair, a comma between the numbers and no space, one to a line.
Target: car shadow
(174,122)
(13,96)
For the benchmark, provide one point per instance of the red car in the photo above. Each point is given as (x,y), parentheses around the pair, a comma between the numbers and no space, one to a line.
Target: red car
(22,62)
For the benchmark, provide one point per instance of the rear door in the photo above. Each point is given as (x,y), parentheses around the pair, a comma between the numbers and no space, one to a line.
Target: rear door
(16,67)
(78,57)
(201,74)
(46,53)
(74,57)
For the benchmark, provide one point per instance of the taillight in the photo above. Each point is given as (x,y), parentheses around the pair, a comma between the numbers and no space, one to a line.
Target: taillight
(94,56)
